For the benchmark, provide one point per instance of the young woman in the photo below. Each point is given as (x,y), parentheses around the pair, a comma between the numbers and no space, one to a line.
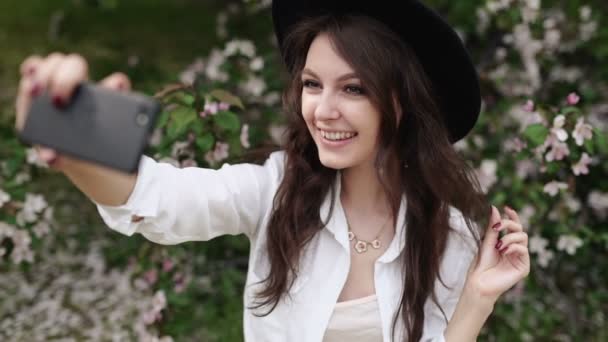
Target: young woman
(365,227)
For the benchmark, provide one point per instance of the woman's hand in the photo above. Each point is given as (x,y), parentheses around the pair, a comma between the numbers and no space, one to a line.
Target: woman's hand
(501,261)
(59,74)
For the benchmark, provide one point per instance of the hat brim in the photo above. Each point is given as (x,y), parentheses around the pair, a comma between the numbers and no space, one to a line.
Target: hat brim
(437,46)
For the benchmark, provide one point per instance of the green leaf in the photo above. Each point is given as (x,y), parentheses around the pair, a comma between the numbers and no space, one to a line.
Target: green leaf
(163,119)
(589,146)
(180,119)
(600,140)
(228,121)
(227,97)
(569,110)
(205,142)
(536,134)
(188,99)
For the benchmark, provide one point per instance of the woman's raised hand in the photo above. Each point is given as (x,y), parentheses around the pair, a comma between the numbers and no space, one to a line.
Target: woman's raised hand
(59,74)
(501,261)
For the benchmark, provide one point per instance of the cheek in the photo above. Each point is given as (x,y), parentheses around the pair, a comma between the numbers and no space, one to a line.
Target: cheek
(307,109)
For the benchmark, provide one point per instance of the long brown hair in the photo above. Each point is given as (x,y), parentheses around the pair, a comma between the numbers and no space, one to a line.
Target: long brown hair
(436,177)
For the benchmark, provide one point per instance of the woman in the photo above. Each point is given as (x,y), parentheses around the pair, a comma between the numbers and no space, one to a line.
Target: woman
(364,228)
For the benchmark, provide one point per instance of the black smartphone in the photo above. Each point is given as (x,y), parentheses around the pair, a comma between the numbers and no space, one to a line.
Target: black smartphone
(97,125)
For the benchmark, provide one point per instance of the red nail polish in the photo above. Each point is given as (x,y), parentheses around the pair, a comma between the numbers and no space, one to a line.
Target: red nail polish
(35,90)
(496,225)
(58,101)
(498,244)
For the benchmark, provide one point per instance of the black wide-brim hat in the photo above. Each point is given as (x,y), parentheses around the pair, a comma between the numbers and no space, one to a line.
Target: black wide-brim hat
(438,47)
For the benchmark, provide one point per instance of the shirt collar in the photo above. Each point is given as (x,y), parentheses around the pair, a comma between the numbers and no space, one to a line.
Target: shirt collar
(338,227)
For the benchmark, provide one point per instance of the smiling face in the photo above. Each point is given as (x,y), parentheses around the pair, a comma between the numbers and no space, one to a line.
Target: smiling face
(338,112)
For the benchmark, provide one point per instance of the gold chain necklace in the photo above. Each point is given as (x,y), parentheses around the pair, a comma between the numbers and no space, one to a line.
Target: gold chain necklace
(361,245)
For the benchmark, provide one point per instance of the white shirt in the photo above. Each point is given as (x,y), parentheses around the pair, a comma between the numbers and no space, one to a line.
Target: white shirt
(355,320)
(197,204)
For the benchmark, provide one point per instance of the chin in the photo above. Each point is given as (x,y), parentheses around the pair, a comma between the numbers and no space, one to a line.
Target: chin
(335,161)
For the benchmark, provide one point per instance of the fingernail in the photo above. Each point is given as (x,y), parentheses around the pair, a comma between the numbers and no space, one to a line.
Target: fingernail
(35,89)
(30,71)
(498,244)
(503,249)
(58,101)
(509,208)
(496,225)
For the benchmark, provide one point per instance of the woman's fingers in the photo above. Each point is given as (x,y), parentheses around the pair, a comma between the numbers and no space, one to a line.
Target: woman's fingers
(509,226)
(117,81)
(45,70)
(511,238)
(512,214)
(29,65)
(70,72)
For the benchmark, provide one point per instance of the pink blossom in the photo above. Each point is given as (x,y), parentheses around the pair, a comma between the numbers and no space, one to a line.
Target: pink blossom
(181,281)
(167,265)
(219,153)
(514,145)
(558,151)
(210,108)
(572,99)
(245,136)
(223,106)
(149,317)
(553,187)
(582,131)
(188,163)
(581,167)
(151,276)
(529,106)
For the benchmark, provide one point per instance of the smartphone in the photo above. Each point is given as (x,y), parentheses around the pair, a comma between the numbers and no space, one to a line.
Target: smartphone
(98,125)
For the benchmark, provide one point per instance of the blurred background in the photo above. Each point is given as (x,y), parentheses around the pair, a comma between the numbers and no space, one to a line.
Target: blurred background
(540,146)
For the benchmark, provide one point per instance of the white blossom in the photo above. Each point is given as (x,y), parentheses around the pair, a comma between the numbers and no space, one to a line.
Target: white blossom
(598,201)
(569,243)
(585,12)
(581,167)
(256,64)
(244,47)
(582,131)
(486,174)
(254,86)
(553,187)
(214,62)
(245,136)
(4,198)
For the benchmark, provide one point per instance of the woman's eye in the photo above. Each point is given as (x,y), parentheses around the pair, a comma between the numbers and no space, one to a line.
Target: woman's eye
(355,90)
(309,84)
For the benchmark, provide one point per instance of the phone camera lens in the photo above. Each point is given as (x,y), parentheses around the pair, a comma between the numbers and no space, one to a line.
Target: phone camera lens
(142,119)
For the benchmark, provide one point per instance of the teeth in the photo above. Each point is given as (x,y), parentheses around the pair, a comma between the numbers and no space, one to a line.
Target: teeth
(337,135)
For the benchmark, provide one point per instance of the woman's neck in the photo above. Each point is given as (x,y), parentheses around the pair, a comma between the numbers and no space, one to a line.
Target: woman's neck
(363,192)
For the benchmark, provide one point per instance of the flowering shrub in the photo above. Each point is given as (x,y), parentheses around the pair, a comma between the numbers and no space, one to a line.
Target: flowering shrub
(540,146)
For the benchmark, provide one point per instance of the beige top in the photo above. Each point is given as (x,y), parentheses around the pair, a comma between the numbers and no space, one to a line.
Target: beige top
(355,320)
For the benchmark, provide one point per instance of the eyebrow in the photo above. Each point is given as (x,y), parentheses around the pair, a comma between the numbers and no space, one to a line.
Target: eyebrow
(341,78)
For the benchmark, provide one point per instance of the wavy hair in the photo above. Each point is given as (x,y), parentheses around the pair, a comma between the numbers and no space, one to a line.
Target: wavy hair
(436,178)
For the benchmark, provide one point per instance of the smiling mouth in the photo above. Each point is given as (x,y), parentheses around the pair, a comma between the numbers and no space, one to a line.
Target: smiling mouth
(337,135)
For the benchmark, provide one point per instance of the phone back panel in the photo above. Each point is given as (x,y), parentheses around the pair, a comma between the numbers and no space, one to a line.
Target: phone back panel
(98,125)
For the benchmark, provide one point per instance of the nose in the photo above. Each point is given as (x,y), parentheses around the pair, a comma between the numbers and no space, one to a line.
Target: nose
(326,107)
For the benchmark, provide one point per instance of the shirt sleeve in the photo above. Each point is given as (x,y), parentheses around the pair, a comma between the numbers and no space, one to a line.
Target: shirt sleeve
(195,204)
(460,251)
